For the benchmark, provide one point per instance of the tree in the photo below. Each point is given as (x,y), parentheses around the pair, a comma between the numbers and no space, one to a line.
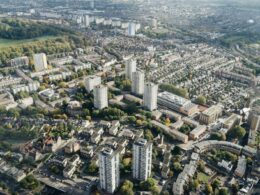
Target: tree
(126,165)
(165,193)
(172,89)
(223,191)
(201,166)
(208,189)
(215,184)
(148,135)
(235,188)
(237,132)
(29,183)
(127,188)
(171,173)
(185,129)
(62,85)
(218,136)
(196,184)
(92,169)
(167,122)
(201,100)
(177,167)
(193,184)
(132,119)
(126,85)
(139,122)
(54,169)
(176,150)
(148,184)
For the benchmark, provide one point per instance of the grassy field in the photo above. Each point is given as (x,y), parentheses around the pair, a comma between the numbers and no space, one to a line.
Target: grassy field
(203,177)
(9,43)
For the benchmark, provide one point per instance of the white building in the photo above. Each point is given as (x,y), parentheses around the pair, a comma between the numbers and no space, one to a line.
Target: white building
(30,87)
(142,159)
(91,82)
(150,96)
(40,62)
(131,29)
(100,97)
(109,170)
(130,68)
(20,61)
(86,21)
(138,83)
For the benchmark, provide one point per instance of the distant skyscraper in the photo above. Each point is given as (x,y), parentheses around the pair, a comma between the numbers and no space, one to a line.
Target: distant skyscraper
(86,21)
(92,4)
(142,159)
(40,62)
(109,170)
(154,23)
(131,29)
(100,97)
(91,82)
(150,96)
(130,68)
(138,83)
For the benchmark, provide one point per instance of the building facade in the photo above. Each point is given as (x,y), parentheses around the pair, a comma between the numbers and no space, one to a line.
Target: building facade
(138,83)
(40,62)
(210,115)
(130,68)
(142,159)
(91,82)
(150,96)
(100,97)
(109,170)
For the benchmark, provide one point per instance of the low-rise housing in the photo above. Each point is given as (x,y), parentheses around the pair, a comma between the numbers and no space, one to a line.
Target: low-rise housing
(197,132)
(232,121)
(210,115)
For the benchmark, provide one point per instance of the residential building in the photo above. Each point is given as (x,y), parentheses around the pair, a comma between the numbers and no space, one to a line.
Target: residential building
(232,121)
(175,134)
(177,103)
(20,61)
(254,119)
(72,147)
(138,83)
(142,159)
(130,67)
(40,62)
(7,100)
(210,115)
(69,171)
(100,97)
(91,82)
(109,170)
(150,96)
(30,87)
(131,29)
(86,21)
(197,132)
(241,166)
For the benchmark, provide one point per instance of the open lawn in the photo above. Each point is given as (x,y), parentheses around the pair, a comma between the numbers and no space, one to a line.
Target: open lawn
(203,177)
(9,43)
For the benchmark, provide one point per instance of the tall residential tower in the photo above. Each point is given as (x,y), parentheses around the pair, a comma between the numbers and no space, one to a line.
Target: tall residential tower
(130,68)
(40,62)
(142,159)
(100,97)
(109,170)
(150,96)
(138,83)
